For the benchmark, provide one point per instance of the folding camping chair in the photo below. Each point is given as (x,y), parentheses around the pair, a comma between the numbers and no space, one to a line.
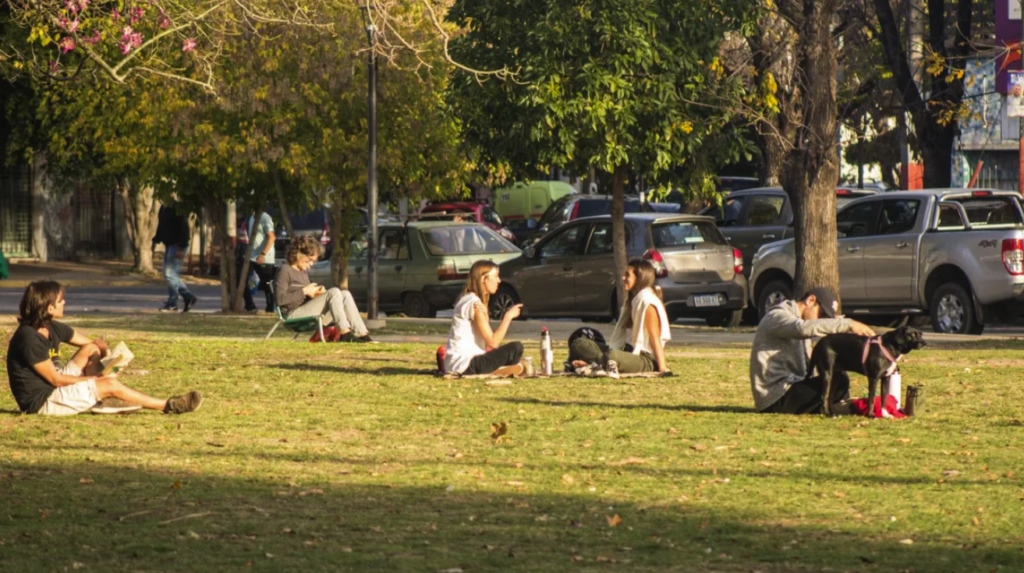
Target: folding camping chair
(296,325)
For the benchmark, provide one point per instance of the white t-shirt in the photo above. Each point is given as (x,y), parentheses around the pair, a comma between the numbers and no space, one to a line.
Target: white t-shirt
(261,238)
(464,342)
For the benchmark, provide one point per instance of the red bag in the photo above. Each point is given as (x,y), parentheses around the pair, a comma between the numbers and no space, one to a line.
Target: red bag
(331,334)
(441,353)
(860,407)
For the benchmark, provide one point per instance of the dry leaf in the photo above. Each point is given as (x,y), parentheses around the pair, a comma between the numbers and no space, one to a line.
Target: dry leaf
(903,440)
(513,482)
(839,494)
(314,491)
(498,431)
(86,480)
(906,541)
(567,479)
(614,520)
(698,447)
(950,473)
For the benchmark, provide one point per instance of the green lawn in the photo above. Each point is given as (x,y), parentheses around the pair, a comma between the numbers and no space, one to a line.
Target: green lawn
(345,457)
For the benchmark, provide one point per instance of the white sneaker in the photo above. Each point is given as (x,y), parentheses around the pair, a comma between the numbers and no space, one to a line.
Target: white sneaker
(613,369)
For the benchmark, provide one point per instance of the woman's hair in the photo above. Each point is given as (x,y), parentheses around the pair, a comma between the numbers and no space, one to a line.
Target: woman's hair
(646,276)
(35,303)
(475,280)
(302,245)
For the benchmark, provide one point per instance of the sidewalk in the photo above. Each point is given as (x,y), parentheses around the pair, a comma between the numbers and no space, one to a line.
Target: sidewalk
(93,274)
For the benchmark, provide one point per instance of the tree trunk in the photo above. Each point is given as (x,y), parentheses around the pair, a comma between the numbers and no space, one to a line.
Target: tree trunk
(771,168)
(220,229)
(812,164)
(937,154)
(619,229)
(142,213)
(339,245)
(285,219)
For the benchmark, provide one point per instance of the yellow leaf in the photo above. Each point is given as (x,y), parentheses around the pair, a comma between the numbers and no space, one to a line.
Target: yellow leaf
(614,521)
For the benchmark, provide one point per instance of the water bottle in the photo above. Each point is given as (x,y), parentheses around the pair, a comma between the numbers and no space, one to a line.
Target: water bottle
(895,382)
(546,356)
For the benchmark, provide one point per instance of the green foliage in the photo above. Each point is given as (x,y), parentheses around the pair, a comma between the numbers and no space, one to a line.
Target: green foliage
(601,84)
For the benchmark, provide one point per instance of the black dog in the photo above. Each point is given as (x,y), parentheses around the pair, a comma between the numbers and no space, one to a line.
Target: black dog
(847,352)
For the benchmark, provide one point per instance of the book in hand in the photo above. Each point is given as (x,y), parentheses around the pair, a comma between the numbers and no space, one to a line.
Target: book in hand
(117,360)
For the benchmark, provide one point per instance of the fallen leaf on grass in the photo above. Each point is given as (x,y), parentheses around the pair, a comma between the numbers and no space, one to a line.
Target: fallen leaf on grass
(630,461)
(839,494)
(906,541)
(950,473)
(86,480)
(903,440)
(513,482)
(567,479)
(314,491)
(698,447)
(498,431)
(614,520)
(243,412)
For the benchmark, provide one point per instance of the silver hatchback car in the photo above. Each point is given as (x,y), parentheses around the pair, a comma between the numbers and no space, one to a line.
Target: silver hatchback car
(570,272)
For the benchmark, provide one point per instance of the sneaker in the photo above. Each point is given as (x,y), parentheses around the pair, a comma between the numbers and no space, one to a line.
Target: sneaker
(347,337)
(190,302)
(365,339)
(588,369)
(516,369)
(168,307)
(613,369)
(184,404)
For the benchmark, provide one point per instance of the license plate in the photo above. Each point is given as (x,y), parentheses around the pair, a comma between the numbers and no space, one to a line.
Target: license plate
(706,300)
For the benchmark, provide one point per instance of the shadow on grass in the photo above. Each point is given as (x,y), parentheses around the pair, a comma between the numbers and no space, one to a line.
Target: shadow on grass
(354,370)
(119,518)
(670,407)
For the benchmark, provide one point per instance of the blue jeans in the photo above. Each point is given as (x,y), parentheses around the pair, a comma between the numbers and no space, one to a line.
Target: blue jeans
(172,272)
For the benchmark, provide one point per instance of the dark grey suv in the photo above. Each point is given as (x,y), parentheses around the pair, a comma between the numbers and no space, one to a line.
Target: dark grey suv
(570,272)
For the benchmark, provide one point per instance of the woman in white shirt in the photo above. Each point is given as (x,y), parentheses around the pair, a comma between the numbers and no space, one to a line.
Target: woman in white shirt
(638,343)
(471,335)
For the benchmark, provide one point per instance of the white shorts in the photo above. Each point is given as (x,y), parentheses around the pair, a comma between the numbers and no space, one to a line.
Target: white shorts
(73,399)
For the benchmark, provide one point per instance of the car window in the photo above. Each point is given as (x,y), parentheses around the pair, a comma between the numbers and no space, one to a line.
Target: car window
(679,233)
(990,211)
(857,221)
(564,243)
(393,246)
(601,240)
(558,212)
(464,240)
(728,213)
(491,216)
(898,216)
(949,219)
(764,210)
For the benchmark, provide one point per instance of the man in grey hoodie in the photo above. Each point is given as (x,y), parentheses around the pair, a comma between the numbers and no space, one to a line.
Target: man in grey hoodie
(782,350)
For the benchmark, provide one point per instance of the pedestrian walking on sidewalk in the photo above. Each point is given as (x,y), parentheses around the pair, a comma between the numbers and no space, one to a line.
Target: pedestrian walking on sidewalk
(173,231)
(262,236)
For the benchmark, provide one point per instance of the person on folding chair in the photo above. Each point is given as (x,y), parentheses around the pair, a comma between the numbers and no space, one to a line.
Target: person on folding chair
(298,298)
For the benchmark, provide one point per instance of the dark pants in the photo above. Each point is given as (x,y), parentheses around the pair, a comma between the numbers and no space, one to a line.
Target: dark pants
(505,355)
(266,274)
(806,397)
(589,351)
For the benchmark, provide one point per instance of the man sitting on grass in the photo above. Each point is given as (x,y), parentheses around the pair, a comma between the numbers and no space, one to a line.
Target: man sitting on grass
(42,385)
(782,349)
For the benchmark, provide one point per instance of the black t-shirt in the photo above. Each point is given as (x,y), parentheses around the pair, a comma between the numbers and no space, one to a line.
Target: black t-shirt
(27,348)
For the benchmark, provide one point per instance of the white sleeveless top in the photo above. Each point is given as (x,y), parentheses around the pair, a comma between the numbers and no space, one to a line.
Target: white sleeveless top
(464,342)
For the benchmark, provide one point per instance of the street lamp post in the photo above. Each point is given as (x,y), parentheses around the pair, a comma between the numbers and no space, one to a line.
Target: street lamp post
(371,176)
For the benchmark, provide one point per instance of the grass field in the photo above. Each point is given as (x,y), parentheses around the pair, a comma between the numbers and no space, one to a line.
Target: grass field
(353,457)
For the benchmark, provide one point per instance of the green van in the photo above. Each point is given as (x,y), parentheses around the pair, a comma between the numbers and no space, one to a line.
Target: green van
(522,203)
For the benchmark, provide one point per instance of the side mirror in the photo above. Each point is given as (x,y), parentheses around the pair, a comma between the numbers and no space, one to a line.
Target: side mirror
(529,252)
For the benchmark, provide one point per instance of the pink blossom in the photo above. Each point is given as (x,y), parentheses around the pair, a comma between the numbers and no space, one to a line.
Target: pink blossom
(70,25)
(163,20)
(54,67)
(95,39)
(130,39)
(188,45)
(115,15)
(67,44)
(135,14)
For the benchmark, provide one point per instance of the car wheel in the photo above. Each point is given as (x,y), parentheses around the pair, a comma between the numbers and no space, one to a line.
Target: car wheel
(416,305)
(772,294)
(729,319)
(502,300)
(952,310)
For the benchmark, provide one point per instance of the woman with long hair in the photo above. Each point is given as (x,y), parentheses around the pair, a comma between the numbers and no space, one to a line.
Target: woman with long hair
(471,335)
(638,343)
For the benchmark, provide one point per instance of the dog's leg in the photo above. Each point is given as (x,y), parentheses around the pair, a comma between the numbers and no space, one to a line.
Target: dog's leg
(872,388)
(885,394)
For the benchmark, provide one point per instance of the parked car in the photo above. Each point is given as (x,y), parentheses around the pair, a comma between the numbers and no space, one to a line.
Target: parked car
(474,212)
(304,222)
(571,270)
(955,254)
(574,207)
(754,217)
(522,204)
(422,265)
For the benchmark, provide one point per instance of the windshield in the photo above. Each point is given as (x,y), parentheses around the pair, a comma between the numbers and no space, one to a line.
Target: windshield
(682,233)
(465,240)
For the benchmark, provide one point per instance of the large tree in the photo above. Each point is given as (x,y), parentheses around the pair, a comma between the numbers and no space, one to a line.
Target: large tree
(615,85)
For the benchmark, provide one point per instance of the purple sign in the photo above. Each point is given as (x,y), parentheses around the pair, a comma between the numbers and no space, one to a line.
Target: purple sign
(1007,33)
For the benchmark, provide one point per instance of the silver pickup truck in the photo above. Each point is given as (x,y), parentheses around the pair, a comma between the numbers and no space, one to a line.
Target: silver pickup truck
(956,255)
